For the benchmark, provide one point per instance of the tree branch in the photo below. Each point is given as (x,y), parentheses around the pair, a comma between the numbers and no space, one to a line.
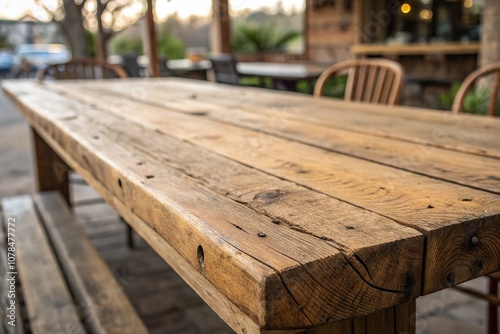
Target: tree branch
(45,8)
(81,4)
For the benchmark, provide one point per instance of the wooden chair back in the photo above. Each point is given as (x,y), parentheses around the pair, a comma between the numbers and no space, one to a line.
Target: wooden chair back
(378,81)
(224,67)
(83,68)
(493,69)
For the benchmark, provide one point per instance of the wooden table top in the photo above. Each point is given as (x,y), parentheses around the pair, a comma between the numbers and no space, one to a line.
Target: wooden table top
(280,70)
(281,210)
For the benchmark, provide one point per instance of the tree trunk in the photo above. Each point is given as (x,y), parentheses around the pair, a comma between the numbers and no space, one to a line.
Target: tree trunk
(75,33)
(101,39)
(490,40)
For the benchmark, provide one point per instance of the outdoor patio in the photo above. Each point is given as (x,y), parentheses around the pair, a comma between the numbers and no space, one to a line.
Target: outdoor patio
(301,167)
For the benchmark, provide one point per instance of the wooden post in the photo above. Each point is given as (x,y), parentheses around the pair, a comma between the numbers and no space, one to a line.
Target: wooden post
(307,29)
(221,27)
(490,38)
(154,69)
(52,171)
(101,51)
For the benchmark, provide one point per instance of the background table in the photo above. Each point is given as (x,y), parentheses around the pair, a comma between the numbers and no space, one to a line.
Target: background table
(283,76)
(282,211)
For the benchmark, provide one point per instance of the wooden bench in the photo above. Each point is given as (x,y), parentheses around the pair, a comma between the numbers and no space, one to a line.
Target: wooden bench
(65,284)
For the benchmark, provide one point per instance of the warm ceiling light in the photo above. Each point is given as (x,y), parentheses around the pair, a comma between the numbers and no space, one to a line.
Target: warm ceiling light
(405,8)
(468,3)
(426,14)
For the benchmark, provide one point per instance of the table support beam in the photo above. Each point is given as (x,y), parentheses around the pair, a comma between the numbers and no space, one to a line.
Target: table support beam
(51,170)
(399,319)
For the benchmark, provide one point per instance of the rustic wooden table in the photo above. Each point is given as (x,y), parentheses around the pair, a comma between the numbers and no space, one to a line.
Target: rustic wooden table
(282,211)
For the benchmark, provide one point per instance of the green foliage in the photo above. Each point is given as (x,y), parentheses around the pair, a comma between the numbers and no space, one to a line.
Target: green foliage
(169,46)
(91,41)
(476,101)
(335,87)
(446,98)
(4,41)
(255,38)
(122,46)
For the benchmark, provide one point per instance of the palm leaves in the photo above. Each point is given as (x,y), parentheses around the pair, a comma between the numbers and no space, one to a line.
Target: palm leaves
(261,38)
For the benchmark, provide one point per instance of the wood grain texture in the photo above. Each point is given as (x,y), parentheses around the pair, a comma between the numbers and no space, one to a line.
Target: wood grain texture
(278,241)
(156,158)
(463,133)
(50,308)
(399,319)
(100,298)
(478,172)
(431,206)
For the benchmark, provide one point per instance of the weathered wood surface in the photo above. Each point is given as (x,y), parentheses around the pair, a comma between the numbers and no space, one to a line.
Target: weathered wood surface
(173,151)
(452,202)
(101,301)
(49,305)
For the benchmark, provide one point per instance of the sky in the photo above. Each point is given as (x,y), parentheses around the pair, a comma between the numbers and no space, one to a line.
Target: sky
(13,9)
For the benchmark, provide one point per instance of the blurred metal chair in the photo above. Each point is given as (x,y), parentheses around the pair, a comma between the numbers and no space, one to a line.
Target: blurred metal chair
(165,71)
(83,68)
(378,81)
(131,65)
(224,67)
(494,70)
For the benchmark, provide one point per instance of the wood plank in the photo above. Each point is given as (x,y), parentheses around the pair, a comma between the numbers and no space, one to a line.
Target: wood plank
(131,189)
(359,325)
(105,307)
(6,293)
(224,307)
(401,123)
(442,211)
(50,308)
(416,49)
(477,172)
(258,99)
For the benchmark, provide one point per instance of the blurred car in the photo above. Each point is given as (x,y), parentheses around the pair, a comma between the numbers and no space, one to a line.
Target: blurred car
(6,62)
(41,55)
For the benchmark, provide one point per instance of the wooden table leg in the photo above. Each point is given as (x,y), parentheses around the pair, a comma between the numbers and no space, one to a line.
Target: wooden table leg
(399,319)
(52,171)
